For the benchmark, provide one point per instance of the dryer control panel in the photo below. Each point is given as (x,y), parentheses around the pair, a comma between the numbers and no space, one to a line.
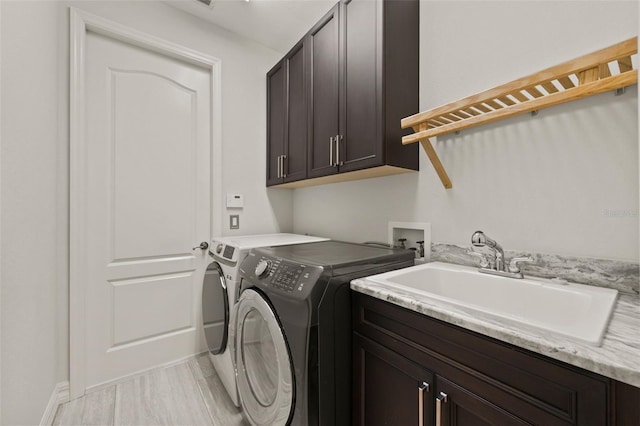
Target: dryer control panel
(279,274)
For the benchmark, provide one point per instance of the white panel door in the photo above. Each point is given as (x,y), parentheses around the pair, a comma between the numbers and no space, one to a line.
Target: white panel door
(148,135)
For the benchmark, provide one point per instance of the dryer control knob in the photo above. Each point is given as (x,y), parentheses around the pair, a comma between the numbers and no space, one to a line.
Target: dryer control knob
(219,248)
(262,268)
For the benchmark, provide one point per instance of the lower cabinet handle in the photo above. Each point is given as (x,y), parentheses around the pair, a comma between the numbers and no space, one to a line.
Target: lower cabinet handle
(442,397)
(338,137)
(331,163)
(424,386)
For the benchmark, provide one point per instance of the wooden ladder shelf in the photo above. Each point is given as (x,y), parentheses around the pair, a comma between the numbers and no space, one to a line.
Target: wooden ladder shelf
(607,69)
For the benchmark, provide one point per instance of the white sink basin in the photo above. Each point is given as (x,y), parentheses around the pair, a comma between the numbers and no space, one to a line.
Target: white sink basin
(571,310)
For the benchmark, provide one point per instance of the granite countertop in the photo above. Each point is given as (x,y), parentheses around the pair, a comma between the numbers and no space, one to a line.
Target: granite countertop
(617,358)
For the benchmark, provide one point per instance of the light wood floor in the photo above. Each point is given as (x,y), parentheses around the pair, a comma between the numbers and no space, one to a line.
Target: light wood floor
(189,393)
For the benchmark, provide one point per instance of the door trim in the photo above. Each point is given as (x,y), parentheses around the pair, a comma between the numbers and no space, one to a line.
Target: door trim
(82,22)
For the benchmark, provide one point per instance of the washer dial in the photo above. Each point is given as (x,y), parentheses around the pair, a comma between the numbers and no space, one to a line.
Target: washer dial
(263,268)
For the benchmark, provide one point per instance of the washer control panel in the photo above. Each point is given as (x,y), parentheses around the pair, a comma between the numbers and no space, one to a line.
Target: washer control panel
(280,274)
(224,251)
(287,276)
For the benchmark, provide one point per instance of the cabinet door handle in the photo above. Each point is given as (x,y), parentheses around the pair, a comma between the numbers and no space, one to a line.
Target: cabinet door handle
(278,172)
(424,386)
(338,139)
(284,174)
(442,397)
(331,163)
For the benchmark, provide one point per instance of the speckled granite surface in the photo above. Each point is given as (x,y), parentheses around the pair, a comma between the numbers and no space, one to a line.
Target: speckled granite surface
(617,358)
(621,276)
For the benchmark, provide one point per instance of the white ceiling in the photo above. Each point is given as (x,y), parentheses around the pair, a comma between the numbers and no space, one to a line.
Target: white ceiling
(278,24)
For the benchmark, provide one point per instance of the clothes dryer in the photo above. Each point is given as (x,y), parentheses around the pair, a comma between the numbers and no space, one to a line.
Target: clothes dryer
(220,292)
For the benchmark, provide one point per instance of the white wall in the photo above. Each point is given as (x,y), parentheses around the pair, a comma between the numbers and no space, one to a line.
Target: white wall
(545,184)
(29,220)
(35,178)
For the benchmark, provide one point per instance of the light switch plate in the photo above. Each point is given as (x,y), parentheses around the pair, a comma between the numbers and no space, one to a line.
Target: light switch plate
(234,221)
(235,201)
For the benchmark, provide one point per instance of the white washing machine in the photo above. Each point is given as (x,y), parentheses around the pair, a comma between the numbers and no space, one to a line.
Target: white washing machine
(220,293)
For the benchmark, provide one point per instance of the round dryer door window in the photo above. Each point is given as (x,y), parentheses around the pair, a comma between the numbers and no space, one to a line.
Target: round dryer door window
(264,372)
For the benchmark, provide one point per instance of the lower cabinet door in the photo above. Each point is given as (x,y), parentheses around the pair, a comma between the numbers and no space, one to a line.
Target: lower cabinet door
(455,405)
(390,389)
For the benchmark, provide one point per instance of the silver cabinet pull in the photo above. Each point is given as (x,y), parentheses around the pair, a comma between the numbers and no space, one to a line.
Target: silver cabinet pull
(284,174)
(331,163)
(424,386)
(280,166)
(338,139)
(442,397)
(279,161)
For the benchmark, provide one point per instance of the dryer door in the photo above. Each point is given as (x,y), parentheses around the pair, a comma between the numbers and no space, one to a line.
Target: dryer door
(264,369)
(215,308)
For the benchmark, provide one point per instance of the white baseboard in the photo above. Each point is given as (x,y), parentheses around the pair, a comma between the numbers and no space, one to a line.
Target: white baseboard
(60,395)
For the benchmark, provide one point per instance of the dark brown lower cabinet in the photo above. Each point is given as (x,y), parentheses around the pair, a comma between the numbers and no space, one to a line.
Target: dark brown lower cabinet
(410,369)
(458,406)
(394,390)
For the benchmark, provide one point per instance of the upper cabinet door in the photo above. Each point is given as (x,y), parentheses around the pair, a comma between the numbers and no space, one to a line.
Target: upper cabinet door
(287,118)
(354,75)
(276,116)
(361,143)
(295,160)
(324,108)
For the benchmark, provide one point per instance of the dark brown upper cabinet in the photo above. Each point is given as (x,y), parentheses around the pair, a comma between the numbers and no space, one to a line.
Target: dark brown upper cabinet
(361,80)
(287,118)
(362,134)
(324,94)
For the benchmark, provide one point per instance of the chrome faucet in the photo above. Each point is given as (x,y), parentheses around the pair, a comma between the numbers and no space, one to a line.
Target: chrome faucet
(496,265)
(479,239)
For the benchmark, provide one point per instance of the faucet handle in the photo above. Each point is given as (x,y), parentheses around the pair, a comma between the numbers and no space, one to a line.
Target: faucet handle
(514,264)
(484,261)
